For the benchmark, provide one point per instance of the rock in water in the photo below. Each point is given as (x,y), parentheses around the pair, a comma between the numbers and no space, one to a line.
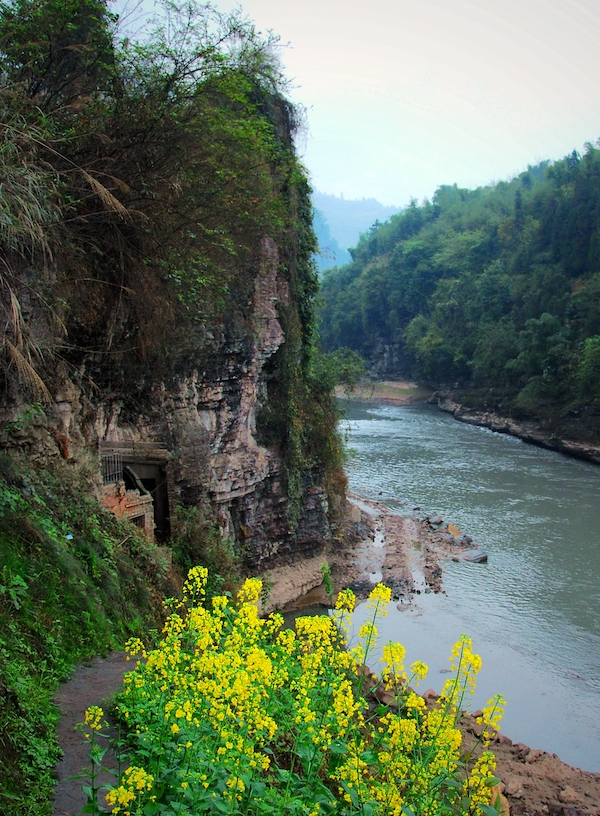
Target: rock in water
(476,557)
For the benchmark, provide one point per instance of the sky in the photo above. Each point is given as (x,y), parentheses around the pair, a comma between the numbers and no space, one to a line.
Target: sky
(402,96)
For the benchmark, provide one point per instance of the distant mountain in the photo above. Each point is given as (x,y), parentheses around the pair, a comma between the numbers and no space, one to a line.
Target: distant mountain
(330,252)
(339,222)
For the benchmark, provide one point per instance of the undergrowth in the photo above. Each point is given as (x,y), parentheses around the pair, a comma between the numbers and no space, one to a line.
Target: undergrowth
(74,583)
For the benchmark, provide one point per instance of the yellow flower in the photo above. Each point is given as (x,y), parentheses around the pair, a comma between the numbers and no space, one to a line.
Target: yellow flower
(380,594)
(346,600)
(134,782)
(93,717)
(250,591)
(234,680)
(393,658)
(419,670)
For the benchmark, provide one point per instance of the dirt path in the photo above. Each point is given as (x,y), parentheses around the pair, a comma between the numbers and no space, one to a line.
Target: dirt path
(90,685)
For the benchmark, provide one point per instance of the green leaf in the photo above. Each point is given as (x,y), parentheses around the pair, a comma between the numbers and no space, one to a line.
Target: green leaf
(491,781)
(488,810)
(451,782)
(217,805)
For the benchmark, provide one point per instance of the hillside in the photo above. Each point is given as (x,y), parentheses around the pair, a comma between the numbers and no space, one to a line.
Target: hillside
(491,293)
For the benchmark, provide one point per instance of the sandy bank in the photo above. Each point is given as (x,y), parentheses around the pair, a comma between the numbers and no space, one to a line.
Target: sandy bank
(392,392)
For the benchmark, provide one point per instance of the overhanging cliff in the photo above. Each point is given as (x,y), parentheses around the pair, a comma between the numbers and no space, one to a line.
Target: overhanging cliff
(160,290)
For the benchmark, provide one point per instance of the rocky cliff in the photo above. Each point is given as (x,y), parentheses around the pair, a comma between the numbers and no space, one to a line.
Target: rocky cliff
(158,292)
(202,427)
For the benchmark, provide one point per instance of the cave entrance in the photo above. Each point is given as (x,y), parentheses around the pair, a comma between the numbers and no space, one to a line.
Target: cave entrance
(150,478)
(141,472)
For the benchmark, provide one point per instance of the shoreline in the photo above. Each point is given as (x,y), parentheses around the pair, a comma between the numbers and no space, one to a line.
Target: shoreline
(404,392)
(407,554)
(528,431)
(387,392)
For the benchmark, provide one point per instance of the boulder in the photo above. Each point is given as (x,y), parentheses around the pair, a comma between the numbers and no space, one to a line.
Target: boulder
(568,796)
(476,557)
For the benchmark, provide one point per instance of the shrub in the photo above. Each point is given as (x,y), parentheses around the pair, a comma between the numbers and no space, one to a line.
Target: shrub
(232,713)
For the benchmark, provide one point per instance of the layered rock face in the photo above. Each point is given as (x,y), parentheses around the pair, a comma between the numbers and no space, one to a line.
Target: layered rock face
(199,431)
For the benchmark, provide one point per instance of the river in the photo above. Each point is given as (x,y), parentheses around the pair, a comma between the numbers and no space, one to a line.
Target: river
(533,610)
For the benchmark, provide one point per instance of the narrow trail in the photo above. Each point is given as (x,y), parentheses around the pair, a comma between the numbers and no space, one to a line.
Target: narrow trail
(90,685)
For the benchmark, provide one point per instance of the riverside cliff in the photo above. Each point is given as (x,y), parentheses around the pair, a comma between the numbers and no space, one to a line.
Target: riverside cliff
(157,352)
(159,298)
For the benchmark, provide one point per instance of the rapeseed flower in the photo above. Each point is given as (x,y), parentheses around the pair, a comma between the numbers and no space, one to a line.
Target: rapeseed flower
(93,718)
(231,709)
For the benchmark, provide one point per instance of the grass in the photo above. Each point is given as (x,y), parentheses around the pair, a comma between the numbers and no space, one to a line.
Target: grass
(74,583)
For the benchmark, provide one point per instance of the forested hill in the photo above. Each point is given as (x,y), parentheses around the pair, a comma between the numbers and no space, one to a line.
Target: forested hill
(494,287)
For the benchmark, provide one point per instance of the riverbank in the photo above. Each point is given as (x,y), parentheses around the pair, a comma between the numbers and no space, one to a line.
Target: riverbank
(408,554)
(389,392)
(529,431)
(379,544)
(568,435)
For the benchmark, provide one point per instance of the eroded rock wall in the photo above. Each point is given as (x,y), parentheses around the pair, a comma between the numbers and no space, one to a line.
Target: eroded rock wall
(207,422)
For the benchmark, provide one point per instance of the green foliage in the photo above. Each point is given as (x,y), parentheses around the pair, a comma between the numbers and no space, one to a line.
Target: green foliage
(341,367)
(73,583)
(55,50)
(196,539)
(496,286)
(588,369)
(141,182)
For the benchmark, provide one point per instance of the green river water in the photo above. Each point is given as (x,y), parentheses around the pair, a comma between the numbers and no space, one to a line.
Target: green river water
(533,610)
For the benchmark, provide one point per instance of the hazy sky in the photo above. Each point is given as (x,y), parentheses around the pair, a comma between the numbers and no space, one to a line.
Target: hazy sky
(405,95)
